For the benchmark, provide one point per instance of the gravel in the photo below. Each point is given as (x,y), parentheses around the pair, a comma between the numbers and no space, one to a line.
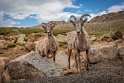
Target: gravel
(107,71)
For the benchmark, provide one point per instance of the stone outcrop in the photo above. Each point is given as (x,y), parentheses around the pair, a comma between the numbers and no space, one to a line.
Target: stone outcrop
(117,35)
(30,66)
(29,46)
(21,39)
(105,51)
(3,63)
(121,51)
(107,37)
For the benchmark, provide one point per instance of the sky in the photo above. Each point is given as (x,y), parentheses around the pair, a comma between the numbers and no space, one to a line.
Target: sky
(26,13)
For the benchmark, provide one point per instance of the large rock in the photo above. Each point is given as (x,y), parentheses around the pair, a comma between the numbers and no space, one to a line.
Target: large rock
(31,66)
(45,65)
(121,51)
(3,63)
(2,41)
(21,39)
(117,35)
(61,38)
(13,39)
(107,37)
(105,51)
(93,38)
(16,52)
(31,38)
(17,71)
(2,48)
(2,45)
(111,36)
(29,46)
(62,60)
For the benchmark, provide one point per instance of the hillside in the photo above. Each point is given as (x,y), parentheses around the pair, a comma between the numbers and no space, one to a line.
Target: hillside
(109,17)
(59,25)
(105,23)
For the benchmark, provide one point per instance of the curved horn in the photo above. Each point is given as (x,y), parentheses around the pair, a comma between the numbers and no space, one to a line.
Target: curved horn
(85,15)
(72,16)
(43,25)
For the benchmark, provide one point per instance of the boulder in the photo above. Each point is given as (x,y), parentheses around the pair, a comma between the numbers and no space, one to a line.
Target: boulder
(3,63)
(111,36)
(31,38)
(21,39)
(121,51)
(2,45)
(93,38)
(117,35)
(123,42)
(94,57)
(2,48)
(119,41)
(15,52)
(18,70)
(2,41)
(105,51)
(62,60)
(45,65)
(14,39)
(61,38)
(32,66)
(29,46)
(105,38)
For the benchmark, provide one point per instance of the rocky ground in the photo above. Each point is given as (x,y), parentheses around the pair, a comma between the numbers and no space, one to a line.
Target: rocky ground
(109,71)
(106,66)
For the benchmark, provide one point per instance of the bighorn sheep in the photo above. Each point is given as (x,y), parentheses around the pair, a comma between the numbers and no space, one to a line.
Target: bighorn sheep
(78,41)
(48,44)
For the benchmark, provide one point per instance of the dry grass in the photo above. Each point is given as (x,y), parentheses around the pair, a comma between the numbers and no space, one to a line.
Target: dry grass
(92,28)
(104,27)
(63,44)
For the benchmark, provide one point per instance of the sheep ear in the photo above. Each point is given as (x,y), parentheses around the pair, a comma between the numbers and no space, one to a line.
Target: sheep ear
(85,20)
(71,21)
(53,24)
(44,25)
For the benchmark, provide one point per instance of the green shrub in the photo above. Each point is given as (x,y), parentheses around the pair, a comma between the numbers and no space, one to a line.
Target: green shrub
(28,31)
(10,45)
(63,44)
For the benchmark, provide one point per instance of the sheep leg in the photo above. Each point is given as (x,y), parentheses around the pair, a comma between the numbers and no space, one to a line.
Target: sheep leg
(54,55)
(69,56)
(47,55)
(76,61)
(79,61)
(87,59)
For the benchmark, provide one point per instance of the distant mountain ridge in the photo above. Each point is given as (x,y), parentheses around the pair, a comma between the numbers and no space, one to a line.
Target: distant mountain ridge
(110,17)
(116,16)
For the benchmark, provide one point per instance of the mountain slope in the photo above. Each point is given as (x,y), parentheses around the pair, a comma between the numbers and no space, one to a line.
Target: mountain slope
(109,17)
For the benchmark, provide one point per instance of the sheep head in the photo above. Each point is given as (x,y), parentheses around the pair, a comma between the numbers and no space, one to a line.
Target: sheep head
(48,27)
(78,22)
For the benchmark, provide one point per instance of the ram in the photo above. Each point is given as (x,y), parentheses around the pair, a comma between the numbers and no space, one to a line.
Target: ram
(78,41)
(48,45)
